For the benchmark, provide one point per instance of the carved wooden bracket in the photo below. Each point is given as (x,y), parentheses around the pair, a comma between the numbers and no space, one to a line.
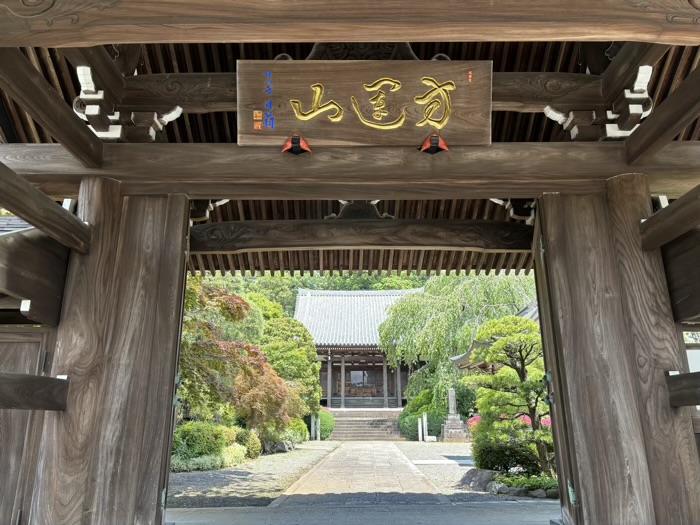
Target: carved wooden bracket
(618,122)
(359,210)
(108,122)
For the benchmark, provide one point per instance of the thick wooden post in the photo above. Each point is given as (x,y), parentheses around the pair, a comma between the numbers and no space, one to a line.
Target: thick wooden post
(105,459)
(386,383)
(612,482)
(655,346)
(342,382)
(329,382)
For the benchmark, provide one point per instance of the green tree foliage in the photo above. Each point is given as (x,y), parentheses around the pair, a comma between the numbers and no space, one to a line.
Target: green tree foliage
(269,309)
(427,329)
(512,400)
(5,213)
(217,369)
(289,347)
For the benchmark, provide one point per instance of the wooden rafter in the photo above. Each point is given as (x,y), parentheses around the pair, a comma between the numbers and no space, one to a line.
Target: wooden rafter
(228,171)
(25,201)
(482,236)
(104,70)
(26,86)
(64,23)
(674,114)
(208,92)
(671,222)
(681,263)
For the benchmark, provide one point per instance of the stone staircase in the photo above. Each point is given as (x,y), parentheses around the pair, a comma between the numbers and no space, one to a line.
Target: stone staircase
(366,425)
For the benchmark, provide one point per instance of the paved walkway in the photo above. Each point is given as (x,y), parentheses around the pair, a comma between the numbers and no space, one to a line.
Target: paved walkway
(363,473)
(371,483)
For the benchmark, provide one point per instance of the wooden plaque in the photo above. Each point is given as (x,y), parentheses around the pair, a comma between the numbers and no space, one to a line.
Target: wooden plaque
(364,103)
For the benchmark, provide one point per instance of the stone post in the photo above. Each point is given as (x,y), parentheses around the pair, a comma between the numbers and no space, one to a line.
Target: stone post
(312,435)
(342,382)
(420,429)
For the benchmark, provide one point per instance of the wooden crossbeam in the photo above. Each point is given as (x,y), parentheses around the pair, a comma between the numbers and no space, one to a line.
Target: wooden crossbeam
(684,389)
(671,222)
(24,200)
(66,23)
(679,110)
(207,92)
(26,86)
(33,268)
(28,392)
(681,263)
(105,71)
(216,171)
(477,235)
(623,70)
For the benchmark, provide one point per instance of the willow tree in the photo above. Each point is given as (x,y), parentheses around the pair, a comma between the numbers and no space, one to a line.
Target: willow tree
(426,329)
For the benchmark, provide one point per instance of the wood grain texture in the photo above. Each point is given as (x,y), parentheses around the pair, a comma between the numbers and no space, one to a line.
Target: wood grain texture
(585,292)
(523,92)
(561,410)
(681,262)
(21,351)
(25,201)
(684,390)
(33,267)
(32,392)
(679,110)
(669,223)
(65,23)
(118,342)
(224,170)
(28,88)
(622,72)
(476,235)
(468,93)
(655,346)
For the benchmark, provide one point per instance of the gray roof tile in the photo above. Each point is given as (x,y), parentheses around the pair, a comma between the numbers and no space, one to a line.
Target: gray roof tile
(346,318)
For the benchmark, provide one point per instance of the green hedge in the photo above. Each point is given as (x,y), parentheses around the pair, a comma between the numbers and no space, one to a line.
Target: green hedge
(196,438)
(504,455)
(408,424)
(297,431)
(250,440)
(327,423)
(228,457)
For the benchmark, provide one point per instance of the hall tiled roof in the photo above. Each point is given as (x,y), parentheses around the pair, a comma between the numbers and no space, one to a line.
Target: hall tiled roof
(346,318)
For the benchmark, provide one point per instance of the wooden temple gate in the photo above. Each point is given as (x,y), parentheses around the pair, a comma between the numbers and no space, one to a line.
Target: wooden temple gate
(87,397)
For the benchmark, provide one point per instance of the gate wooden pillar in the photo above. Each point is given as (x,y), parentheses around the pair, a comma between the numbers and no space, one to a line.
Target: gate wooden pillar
(610,323)
(105,459)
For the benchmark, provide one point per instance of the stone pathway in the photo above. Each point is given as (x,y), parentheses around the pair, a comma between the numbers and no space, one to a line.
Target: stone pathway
(363,473)
(254,483)
(378,483)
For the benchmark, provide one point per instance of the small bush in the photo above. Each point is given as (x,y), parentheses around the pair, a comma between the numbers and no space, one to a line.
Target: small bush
(409,427)
(233,455)
(542,481)
(297,431)
(250,440)
(197,439)
(504,455)
(408,424)
(415,405)
(327,423)
(231,434)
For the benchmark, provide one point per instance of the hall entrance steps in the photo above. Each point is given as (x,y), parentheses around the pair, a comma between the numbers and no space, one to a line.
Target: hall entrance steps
(366,425)
(363,402)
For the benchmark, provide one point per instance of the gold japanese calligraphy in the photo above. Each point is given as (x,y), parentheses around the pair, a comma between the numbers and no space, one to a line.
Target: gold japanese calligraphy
(435,99)
(378,102)
(317,108)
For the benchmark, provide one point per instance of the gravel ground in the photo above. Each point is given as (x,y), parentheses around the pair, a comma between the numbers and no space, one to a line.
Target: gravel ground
(446,476)
(255,483)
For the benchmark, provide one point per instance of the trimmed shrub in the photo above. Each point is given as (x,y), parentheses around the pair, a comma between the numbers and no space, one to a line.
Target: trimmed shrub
(230,456)
(409,427)
(297,431)
(196,438)
(415,405)
(504,455)
(542,481)
(408,424)
(327,423)
(250,440)
(231,434)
